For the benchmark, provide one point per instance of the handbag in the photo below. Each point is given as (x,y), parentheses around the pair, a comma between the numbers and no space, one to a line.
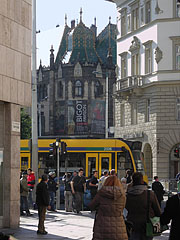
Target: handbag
(153,225)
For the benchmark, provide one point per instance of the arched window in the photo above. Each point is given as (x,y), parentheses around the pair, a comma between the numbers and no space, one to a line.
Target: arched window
(60,90)
(78,88)
(98,89)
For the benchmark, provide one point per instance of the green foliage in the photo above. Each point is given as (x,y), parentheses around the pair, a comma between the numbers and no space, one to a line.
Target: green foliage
(25,125)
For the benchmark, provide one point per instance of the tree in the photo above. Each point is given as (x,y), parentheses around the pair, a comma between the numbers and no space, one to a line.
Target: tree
(25,125)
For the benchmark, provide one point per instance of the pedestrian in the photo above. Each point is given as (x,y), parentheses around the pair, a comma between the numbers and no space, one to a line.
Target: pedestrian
(124,183)
(136,205)
(113,172)
(128,176)
(109,203)
(31,184)
(172,213)
(42,201)
(24,195)
(102,179)
(93,184)
(52,188)
(158,188)
(178,181)
(78,186)
(68,193)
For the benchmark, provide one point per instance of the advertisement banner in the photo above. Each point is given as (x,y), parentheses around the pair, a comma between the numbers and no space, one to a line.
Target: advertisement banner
(77,117)
(60,117)
(98,117)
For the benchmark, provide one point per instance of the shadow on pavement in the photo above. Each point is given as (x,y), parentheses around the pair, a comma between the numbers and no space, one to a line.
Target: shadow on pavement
(27,234)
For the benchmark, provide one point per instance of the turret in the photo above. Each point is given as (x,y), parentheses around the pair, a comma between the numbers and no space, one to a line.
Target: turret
(52,58)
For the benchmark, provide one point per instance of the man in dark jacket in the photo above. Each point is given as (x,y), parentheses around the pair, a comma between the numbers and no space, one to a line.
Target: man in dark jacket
(52,187)
(172,212)
(24,194)
(68,193)
(93,184)
(136,205)
(158,188)
(42,201)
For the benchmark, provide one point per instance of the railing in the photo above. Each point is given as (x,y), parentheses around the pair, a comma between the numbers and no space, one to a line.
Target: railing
(129,83)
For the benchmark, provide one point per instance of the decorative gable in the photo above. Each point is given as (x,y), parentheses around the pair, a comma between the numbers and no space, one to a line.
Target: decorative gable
(78,70)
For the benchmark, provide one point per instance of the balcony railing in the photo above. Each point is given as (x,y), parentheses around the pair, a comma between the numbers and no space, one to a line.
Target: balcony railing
(129,83)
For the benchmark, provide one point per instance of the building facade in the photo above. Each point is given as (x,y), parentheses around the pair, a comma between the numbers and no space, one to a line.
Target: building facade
(71,90)
(147,104)
(15,91)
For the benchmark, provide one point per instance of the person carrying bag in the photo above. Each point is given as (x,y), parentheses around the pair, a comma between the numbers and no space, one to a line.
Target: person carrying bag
(153,225)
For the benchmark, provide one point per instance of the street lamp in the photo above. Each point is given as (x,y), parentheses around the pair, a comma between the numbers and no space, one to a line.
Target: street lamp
(107,93)
(34,95)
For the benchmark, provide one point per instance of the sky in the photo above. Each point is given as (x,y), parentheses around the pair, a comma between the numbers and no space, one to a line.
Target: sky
(50,13)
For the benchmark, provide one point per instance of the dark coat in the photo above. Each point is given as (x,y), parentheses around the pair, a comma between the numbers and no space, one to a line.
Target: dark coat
(136,204)
(52,185)
(158,188)
(24,185)
(172,212)
(42,194)
(109,223)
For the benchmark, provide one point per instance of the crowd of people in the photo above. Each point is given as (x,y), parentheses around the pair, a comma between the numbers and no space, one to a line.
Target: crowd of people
(115,201)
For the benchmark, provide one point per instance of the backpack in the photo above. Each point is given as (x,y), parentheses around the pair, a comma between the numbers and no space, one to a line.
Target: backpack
(21,188)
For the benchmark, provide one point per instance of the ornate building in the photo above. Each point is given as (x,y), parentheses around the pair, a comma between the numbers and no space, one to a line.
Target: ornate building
(71,91)
(148,83)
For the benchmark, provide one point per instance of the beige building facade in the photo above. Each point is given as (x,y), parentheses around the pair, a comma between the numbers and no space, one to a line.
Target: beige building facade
(148,86)
(15,91)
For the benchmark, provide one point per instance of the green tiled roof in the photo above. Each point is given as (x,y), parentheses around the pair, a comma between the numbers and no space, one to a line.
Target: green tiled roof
(87,48)
(63,45)
(106,39)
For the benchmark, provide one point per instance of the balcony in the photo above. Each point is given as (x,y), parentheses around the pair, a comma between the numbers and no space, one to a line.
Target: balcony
(129,83)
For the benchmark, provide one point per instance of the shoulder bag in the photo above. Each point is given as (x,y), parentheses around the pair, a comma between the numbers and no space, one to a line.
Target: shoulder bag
(153,225)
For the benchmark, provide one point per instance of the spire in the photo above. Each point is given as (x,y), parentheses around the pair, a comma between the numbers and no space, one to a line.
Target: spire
(95,21)
(52,58)
(66,19)
(81,15)
(109,19)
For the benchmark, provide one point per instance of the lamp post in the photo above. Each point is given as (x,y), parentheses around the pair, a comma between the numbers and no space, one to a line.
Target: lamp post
(34,95)
(107,102)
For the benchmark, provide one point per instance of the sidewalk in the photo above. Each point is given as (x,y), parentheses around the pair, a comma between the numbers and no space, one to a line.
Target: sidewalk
(60,226)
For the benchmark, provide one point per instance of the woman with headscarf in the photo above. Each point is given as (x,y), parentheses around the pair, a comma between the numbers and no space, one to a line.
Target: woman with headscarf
(109,203)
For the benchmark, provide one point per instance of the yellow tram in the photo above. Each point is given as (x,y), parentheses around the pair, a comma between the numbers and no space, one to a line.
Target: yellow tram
(90,154)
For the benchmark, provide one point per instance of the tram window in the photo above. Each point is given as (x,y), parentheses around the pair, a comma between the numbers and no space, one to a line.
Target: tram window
(123,162)
(24,163)
(104,164)
(91,165)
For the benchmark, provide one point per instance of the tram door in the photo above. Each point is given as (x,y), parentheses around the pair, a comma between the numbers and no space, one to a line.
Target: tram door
(25,161)
(105,162)
(91,163)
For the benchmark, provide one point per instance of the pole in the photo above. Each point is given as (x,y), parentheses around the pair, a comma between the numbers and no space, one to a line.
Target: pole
(106,117)
(58,182)
(39,112)
(34,96)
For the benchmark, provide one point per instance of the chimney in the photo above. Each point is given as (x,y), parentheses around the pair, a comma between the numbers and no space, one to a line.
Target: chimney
(72,24)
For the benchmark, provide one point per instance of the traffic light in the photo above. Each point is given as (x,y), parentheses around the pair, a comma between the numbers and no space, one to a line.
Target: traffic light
(63,148)
(176,152)
(52,151)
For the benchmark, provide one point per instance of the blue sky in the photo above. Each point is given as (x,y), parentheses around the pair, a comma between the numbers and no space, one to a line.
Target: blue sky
(52,12)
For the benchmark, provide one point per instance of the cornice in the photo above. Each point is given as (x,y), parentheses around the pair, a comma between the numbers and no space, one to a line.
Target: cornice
(146,26)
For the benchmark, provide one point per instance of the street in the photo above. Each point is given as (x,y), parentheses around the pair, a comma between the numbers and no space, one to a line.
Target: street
(60,225)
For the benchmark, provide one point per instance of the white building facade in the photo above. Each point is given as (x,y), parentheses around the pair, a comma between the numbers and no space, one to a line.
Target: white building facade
(148,86)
